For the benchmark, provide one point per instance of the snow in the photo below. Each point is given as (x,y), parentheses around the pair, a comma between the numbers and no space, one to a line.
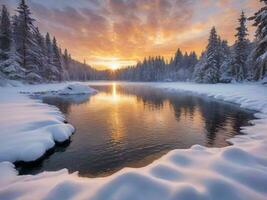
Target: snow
(199,173)
(28,127)
(264,80)
(68,90)
(76,89)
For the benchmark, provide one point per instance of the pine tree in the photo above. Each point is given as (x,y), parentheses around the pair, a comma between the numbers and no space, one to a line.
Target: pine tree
(49,68)
(212,66)
(56,60)
(178,59)
(199,70)
(260,52)
(240,50)
(8,57)
(66,59)
(5,35)
(40,58)
(66,64)
(192,61)
(207,70)
(24,35)
(226,75)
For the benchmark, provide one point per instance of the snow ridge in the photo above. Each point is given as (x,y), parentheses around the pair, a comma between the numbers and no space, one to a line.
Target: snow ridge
(237,172)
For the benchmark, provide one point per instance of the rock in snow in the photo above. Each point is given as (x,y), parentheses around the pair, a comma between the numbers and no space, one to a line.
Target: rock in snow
(199,173)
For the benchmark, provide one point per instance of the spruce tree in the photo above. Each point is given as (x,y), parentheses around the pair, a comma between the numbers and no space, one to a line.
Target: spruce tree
(66,59)
(49,69)
(240,50)
(8,56)
(5,35)
(191,64)
(48,46)
(56,60)
(40,58)
(199,70)
(66,64)
(24,35)
(212,66)
(178,59)
(226,75)
(260,52)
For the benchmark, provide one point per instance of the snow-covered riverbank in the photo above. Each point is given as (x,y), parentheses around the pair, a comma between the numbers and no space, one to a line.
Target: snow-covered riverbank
(28,127)
(235,172)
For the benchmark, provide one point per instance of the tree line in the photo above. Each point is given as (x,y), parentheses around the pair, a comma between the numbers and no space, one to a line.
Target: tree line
(180,67)
(220,63)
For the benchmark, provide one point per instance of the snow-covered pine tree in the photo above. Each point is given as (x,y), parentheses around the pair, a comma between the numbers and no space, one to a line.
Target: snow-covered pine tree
(5,35)
(199,70)
(182,73)
(49,68)
(225,62)
(56,60)
(169,76)
(192,61)
(25,43)
(212,55)
(9,59)
(48,45)
(39,48)
(24,39)
(66,59)
(66,64)
(250,63)
(5,40)
(260,52)
(178,59)
(240,50)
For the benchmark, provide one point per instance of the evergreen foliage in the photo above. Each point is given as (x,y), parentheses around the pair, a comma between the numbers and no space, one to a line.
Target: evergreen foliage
(25,54)
(240,50)
(260,52)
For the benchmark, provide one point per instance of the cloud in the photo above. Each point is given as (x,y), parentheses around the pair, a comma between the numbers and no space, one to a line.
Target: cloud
(129,30)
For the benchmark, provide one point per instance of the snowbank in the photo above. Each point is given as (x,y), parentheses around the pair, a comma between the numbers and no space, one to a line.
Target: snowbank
(70,90)
(28,127)
(76,89)
(233,173)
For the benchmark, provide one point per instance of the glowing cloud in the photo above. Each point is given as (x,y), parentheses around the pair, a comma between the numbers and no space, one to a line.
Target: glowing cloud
(115,33)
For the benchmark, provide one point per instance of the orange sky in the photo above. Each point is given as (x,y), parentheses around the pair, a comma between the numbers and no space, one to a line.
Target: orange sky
(116,33)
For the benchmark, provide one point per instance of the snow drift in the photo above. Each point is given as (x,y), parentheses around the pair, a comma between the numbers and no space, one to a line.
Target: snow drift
(28,127)
(199,173)
(76,89)
(68,90)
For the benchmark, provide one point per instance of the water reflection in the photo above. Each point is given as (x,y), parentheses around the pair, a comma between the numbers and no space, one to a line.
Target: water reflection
(116,124)
(130,126)
(65,102)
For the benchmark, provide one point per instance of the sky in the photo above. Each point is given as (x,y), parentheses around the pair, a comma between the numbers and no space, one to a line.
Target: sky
(116,33)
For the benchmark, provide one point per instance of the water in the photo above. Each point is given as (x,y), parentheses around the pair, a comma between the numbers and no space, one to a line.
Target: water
(132,125)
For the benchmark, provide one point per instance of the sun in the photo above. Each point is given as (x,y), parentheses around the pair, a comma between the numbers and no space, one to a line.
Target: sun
(114,66)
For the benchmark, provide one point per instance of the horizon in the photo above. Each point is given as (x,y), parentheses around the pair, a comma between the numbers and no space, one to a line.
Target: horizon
(112,34)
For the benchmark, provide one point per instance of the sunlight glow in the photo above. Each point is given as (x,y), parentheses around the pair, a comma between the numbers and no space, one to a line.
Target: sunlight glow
(112,63)
(114,66)
(115,97)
